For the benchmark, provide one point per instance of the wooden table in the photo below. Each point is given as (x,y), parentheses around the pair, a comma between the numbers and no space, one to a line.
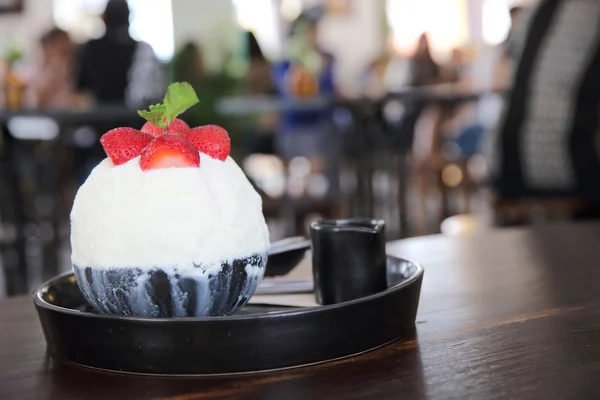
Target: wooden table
(508,314)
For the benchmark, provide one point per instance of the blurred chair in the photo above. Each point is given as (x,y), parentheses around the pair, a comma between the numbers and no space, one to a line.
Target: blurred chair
(12,244)
(389,135)
(440,169)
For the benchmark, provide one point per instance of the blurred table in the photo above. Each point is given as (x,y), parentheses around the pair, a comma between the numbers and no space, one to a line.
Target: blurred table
(249,105)
(94,115)
(374,142)
(441,93)
(507,314)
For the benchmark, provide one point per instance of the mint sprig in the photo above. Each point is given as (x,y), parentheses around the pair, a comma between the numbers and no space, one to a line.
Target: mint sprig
(180,97)
(156,114)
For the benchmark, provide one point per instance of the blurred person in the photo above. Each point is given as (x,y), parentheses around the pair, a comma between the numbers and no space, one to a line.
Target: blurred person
(258,80)
(305,59)
(423,70)
(546,144)
(415,69)
(306,133)
(51,76)
(188,65)
(116,68)
(306,72)
(260,136)
(455,70)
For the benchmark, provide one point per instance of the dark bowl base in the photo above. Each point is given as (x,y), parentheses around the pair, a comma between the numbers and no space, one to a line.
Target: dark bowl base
(172,292)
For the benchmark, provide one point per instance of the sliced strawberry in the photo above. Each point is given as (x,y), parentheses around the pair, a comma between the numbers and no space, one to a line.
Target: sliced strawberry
(169,151)
(211,140)
(176,127)
(123,144)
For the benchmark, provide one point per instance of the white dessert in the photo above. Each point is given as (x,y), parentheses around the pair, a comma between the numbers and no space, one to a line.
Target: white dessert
(174,217)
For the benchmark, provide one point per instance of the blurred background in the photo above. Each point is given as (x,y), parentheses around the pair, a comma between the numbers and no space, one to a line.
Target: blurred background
(439,116)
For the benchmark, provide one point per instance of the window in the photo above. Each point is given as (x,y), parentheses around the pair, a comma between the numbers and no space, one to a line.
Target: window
(152,24)
(444,20)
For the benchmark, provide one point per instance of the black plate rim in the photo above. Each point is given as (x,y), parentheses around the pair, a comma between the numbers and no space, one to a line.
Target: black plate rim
(225,374)
(39,302)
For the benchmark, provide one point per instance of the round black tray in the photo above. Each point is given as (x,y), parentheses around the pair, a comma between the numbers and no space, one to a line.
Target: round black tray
(256,338)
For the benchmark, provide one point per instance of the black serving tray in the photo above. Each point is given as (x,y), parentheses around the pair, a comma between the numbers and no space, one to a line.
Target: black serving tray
(256,338)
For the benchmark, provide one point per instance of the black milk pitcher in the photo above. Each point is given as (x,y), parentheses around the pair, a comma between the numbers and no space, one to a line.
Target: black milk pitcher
(349,260)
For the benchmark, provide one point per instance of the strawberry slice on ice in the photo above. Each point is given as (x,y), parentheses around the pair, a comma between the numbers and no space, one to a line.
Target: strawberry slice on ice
(176,127)
(123,144)
(169,151)
(211,140)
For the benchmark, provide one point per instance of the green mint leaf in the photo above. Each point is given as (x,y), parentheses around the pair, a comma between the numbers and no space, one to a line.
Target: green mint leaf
(180,96)
(156,115)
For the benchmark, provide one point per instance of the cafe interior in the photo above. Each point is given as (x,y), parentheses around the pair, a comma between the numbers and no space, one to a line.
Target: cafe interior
(461,134)
(335,109)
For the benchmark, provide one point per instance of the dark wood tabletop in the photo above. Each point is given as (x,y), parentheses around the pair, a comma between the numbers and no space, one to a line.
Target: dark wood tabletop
(506,314)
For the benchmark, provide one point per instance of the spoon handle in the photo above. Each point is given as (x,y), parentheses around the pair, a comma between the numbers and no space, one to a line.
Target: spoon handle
(285,286)
(288,244)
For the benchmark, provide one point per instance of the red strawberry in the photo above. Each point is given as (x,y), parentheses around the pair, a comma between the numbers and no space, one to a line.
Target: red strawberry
(210,139)
(152,130)
(123,144)
(169,151)
(176,127)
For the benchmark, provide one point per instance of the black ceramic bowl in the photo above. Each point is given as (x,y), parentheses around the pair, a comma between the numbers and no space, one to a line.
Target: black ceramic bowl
(170,292)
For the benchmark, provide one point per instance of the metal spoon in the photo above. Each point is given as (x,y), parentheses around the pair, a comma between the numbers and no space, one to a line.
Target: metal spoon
(285,254)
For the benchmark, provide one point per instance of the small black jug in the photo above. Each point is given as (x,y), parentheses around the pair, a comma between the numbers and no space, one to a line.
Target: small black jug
(349,260)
